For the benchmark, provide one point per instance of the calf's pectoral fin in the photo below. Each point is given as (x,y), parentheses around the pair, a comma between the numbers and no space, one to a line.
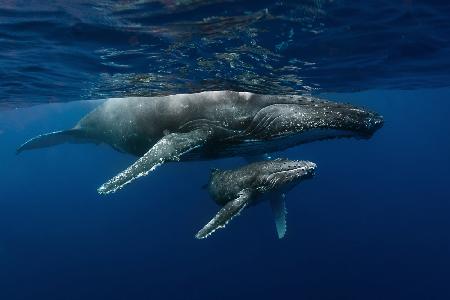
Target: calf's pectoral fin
(278,204)
(228,212)
(168,148)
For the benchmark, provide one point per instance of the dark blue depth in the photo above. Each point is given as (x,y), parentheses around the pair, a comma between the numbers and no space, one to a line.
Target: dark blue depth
(373,223)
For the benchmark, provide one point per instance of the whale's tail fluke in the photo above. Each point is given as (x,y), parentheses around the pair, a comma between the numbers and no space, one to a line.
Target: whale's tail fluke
(53,138)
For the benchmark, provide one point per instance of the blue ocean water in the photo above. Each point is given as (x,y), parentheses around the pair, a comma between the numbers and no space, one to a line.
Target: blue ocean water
(60,51)
(373,223)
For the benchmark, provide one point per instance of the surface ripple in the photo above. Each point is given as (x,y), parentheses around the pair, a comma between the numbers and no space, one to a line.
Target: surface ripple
(59,52)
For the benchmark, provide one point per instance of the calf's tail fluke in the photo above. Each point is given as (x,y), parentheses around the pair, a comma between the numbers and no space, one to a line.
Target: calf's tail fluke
(51,139)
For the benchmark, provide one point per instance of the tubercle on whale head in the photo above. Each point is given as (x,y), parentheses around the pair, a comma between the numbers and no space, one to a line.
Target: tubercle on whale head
(372,123)
(313,119)
(280,172)
(353,120)
(364,124)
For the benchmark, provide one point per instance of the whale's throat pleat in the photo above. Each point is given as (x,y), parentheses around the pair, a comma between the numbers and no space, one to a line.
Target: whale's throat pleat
(251,146)
(254,146)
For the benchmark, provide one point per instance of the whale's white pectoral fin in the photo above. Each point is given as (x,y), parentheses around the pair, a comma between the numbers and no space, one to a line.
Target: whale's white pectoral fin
(278,204)
(228,212)
(168,148)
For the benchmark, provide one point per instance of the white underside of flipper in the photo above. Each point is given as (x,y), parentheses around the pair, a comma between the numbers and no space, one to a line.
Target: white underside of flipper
(228,212)
(169,148)
(278,204)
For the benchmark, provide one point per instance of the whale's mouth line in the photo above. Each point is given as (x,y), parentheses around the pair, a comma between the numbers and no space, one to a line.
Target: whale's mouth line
(239,144)
(302,170)
(317,134)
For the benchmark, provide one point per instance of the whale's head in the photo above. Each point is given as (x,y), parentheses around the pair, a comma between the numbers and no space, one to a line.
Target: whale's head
(282,173)
(311,119)
(346,117)
(320,119)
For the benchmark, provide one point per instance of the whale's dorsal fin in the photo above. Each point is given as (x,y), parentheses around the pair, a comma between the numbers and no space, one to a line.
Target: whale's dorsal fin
(278,204)
(168,148)
(228,212)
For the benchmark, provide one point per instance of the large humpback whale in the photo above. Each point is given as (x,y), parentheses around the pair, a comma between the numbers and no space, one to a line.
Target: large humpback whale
(207,125)
(240,188)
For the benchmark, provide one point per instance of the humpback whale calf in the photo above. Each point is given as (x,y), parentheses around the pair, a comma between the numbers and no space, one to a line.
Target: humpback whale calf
(239,188)
(207,125)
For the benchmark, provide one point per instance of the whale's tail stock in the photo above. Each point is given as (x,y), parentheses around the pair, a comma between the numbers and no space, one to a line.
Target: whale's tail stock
(52,139)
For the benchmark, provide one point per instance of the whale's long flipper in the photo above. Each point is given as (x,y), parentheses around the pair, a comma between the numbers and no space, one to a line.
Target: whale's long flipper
(54,138)
(277,201)
(278,205)
(169,148)
(229,211)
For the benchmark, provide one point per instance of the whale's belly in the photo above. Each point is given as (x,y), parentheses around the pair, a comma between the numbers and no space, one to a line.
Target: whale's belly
(255,147)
